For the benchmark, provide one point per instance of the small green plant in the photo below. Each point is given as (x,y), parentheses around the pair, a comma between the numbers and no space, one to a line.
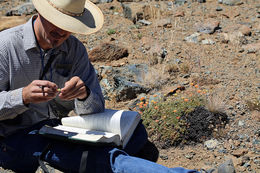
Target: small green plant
(111,31)
(163,119)
(139,36)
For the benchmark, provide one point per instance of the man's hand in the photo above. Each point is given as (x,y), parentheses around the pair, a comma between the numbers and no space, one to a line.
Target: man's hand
(39,91)
(74,88)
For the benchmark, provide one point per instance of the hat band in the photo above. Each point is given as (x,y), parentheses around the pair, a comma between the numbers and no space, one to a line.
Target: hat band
(65,11)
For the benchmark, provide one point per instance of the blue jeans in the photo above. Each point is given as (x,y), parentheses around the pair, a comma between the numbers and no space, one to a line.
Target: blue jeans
(121,162)
(21,152)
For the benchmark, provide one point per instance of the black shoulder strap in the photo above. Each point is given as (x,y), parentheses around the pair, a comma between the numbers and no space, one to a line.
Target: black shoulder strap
(47,66)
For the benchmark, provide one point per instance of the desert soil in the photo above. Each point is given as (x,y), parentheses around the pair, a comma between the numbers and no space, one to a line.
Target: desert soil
(226,64)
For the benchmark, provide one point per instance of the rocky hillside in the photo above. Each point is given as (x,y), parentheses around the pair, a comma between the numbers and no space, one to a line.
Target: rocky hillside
(152,47)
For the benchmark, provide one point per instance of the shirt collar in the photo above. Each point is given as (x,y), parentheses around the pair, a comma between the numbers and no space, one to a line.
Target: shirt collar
(29,38)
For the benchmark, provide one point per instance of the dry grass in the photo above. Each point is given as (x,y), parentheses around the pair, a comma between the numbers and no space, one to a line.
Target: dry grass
(215,104)
(171,68)
(155,77)
(185,68)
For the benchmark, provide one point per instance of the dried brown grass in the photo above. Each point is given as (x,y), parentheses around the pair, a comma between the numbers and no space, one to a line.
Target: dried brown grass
(215,104)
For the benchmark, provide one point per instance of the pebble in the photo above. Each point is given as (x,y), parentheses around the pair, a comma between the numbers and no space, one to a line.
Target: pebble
(180,2)
(219,9)
(239,152)
(222,151)
(164,157)
(241,123)
(232,2)
(255,142)
(245,159)
(211,144)
(192,38)
(227,167)
(208,42)
(246,165)
(190,155)
(144,22)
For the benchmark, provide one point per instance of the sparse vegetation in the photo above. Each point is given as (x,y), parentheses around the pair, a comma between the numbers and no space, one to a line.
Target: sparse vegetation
(139,36)
(111,31)
(184,68)
(215,104)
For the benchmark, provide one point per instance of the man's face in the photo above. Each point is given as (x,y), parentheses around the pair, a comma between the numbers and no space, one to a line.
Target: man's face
(53,35)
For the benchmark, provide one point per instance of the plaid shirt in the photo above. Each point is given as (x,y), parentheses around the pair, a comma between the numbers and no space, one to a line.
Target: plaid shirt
(20,64)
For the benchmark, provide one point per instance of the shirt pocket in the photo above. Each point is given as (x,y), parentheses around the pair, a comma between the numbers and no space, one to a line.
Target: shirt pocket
(62,73)
(63,69)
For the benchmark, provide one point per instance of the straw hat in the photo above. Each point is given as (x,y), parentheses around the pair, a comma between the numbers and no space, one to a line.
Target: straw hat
(76,16)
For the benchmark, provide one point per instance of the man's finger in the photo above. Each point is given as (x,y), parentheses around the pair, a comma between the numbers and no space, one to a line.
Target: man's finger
(72,86)
(72,95)
(46,83)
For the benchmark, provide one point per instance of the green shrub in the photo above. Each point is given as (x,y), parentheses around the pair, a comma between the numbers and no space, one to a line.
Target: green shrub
(178,117)
(163,120)
(111,31)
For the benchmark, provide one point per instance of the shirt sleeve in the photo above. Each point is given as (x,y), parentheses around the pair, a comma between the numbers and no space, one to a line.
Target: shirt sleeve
(85,70)
(11,102)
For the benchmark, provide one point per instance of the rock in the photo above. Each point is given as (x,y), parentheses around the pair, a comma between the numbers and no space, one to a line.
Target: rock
(166,23)
(107,52)
(208,26)
(255,142)
(133,11)
(140,11)
(226,167)
(211,144)
(127,90)
(245,30)
(193,38)
(190,155)
(144,22)
(219,9)
(121,83)
(232,2)
(11,21)
(201,1)
(164,157)
(101,1)
(236,143)
(208,42)
(179,14)
(239,152)
(245,159)
(252,48)
(233,37)
(128,0)
(180,2)
(241,123)
(24,9)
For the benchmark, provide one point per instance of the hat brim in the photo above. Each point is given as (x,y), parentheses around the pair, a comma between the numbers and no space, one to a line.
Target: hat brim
(89,22)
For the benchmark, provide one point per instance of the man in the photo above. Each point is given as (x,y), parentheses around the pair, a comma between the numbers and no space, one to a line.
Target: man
(45,72)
